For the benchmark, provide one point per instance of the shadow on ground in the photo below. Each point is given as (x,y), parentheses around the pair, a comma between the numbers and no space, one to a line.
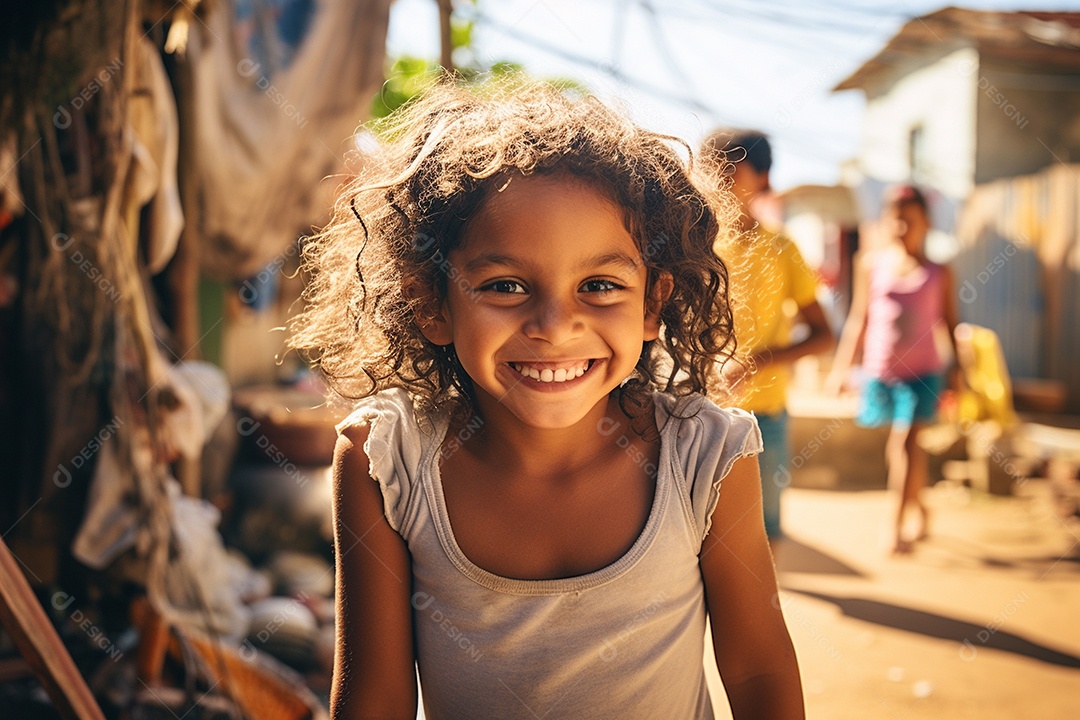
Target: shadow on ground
(794,556)
(972,637)
(963,549)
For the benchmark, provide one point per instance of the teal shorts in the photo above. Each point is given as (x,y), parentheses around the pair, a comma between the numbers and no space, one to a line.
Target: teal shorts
(900,402)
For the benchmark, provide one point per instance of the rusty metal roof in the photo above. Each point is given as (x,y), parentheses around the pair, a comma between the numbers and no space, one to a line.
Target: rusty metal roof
(1047,41)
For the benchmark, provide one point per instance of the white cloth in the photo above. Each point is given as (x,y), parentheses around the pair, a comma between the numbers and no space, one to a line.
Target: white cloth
(266,137)
(624,641)
(153,119)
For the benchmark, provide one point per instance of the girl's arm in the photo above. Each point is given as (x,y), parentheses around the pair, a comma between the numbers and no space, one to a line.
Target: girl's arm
(852,333)
(754,652)
(951,318)
(374,671)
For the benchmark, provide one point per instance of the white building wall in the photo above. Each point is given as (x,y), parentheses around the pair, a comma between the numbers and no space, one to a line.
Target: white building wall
(1027,120)
(941,98)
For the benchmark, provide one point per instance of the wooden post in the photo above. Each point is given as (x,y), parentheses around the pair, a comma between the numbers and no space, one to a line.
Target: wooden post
(446,46)
(37,640)
(183,271)
(182,274)
(153,641)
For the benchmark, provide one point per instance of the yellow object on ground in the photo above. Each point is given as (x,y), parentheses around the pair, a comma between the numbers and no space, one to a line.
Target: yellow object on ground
(987,394)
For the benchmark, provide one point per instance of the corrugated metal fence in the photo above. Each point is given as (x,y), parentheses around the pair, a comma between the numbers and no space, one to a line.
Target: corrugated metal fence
(1018,271)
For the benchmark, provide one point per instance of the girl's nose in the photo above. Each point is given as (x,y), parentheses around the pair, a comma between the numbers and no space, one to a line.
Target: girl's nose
(553,320)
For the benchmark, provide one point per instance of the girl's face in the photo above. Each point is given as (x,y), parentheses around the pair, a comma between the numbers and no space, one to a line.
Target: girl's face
(546,302)
(908,225)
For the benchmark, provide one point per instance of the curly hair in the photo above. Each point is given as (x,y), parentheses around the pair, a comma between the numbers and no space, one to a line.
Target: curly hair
(381,264)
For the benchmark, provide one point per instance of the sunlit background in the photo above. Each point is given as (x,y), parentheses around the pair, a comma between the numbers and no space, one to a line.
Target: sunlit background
(165,464)
(687,67)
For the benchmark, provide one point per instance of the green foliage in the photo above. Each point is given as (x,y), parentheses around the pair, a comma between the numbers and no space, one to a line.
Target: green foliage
(461,32)
(407,76)
(570,86)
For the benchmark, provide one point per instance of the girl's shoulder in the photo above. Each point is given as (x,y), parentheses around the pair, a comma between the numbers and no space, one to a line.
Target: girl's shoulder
(699,427)
(938,269)
(696,406)
(397,440)
(390,403)
(705,440)
(878,258)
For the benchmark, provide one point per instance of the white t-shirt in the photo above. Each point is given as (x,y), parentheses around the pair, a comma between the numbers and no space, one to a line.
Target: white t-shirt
(625,641)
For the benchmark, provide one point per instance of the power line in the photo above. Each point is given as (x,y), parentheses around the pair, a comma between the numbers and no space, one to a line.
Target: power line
(805,16)
(604,68)
(823,149)
(816,151)
(666,54)
(619,33)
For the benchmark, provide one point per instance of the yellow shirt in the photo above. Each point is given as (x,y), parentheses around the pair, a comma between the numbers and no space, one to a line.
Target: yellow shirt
(770,282)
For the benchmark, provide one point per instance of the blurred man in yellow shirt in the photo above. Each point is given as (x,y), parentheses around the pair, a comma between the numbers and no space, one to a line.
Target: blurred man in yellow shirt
(772,286)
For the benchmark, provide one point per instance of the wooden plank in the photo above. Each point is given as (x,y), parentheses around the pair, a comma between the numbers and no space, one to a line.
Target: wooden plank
(14,668)
(1049,442)
(37,640)
(153,641)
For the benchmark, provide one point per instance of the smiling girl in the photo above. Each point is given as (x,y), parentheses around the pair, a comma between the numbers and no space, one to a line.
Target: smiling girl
(523,292)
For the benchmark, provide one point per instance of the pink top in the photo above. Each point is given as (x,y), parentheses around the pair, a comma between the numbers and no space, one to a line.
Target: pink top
(900,318)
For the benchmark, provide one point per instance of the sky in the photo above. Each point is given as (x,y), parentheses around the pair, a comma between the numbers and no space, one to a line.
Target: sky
(684,67)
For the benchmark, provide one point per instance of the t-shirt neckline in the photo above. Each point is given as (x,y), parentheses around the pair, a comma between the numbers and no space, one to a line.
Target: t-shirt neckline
(432,481)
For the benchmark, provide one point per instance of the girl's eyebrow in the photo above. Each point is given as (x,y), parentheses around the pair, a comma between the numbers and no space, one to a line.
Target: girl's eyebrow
(617,257)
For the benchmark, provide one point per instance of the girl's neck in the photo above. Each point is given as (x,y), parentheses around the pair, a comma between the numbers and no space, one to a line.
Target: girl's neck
(508,442)
(905,254)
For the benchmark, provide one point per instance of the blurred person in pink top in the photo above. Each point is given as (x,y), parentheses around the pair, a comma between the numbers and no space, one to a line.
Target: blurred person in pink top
(900,301)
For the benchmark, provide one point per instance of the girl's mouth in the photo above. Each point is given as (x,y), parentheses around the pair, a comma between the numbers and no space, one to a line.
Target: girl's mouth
(553,372)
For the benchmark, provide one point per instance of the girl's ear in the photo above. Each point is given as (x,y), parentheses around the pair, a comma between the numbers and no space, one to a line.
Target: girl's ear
(658,295)
(436,327)
(430,313)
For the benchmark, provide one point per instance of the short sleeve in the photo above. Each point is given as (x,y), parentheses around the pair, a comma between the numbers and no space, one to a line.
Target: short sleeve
(707,444)
(804,280)
(394,448)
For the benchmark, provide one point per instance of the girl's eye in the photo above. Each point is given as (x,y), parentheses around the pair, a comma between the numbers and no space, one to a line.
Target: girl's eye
(599,286)
(508,287)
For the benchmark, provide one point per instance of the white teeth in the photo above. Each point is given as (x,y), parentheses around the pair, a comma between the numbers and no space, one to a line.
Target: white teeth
(547,375)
